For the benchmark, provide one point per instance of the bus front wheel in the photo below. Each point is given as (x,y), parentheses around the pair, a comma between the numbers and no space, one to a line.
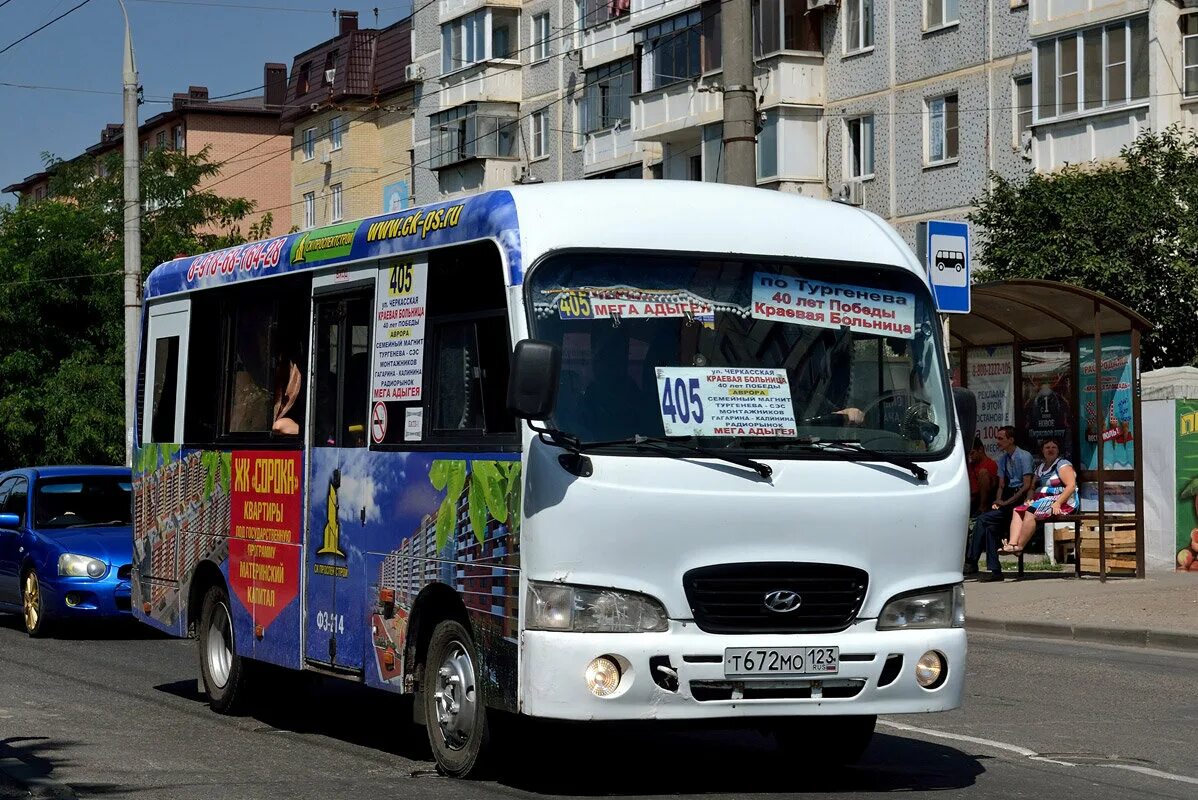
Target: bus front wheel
(225,673)
(838,741)
(454,712)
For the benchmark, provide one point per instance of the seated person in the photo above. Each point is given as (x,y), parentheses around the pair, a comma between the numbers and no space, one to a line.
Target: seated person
(983,479)
(1055,494)
(288,386)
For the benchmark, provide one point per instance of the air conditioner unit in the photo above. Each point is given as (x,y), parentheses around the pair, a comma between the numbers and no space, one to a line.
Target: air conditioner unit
(848,193)
(329,74)
(413,72)
(814,4)
(326,157)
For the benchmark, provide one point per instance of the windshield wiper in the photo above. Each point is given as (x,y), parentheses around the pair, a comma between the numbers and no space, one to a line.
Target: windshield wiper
(849,447)
(672,448)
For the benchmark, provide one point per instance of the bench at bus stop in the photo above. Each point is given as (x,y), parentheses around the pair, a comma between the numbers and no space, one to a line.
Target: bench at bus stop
(1118,541)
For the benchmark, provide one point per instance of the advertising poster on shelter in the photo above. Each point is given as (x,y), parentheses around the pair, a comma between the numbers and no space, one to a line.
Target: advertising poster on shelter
(1109,424)
(264,543)
(1047,396)
(992,379)
(1187,485)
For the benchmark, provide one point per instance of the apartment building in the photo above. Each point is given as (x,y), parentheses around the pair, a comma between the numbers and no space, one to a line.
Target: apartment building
(243,133)
(349,120)
(495,106)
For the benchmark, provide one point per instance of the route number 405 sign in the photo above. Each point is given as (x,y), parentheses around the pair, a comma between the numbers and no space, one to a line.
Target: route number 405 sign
(728,401)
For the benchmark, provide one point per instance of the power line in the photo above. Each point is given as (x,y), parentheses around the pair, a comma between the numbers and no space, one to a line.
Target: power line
(70,89)
(58,278)
(6,2)
(42,28)
(237,6)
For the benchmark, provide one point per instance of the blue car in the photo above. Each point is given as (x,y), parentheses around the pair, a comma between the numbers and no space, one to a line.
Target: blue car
(66,544)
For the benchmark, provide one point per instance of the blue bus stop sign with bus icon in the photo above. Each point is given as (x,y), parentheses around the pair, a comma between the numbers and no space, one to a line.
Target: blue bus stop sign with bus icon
(947,256)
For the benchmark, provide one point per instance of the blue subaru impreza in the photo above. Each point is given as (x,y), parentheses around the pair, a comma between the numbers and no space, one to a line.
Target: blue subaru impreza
(66,544)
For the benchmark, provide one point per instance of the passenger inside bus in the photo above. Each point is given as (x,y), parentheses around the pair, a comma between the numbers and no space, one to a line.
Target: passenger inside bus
(288,385)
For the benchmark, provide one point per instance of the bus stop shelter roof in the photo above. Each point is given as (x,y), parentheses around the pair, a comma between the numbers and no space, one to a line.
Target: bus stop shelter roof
(1028,310)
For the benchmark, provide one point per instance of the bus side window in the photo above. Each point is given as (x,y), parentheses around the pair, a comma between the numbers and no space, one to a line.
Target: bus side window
(467,369)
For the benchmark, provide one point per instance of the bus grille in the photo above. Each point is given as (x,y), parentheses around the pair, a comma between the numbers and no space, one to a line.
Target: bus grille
(731,598)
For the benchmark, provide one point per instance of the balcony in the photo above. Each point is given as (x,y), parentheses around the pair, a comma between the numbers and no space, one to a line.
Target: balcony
(609,149)
(645,12)
(496,81)
(785,78)
(606,42)
(452,9)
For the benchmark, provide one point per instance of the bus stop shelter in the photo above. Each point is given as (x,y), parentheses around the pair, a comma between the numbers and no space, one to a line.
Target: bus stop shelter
(1061,361)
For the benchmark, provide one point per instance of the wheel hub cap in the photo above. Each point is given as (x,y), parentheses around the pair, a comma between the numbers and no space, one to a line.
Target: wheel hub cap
(456,696)
(33,602)
(220,646)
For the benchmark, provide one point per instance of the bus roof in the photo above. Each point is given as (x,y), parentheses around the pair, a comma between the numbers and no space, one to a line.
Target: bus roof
(529,221)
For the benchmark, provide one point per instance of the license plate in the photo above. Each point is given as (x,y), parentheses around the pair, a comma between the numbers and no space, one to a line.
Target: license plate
(742,662)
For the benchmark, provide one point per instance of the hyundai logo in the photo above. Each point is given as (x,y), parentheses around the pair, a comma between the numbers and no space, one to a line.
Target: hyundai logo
(783,601)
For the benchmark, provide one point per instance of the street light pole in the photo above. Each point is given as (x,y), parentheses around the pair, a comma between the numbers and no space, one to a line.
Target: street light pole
(132,269)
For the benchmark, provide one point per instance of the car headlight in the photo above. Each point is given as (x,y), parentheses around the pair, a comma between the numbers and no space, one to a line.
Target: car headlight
(74,566)
(561,607)
(933,608)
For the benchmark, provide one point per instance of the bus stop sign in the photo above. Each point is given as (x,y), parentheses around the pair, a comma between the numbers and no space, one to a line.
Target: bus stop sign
(946,254)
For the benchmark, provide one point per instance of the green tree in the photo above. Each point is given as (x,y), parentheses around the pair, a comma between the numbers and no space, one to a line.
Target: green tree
(1126,229)
(61,301)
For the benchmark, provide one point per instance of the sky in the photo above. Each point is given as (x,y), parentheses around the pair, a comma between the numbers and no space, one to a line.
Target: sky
(221,44)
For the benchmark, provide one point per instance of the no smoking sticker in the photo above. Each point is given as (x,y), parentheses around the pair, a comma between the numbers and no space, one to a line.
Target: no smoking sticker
(378,423)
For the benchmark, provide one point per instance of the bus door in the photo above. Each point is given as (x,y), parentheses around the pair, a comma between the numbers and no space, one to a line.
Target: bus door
(339,482)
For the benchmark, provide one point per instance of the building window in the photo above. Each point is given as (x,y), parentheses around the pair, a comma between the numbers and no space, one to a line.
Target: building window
(309,209)
(942,129)
(600,12)
(1023,108)
(1093,69)
(679,48)
(464,40)
(330,64)
(607,96)
(303,86)
(462,133)
(540,134)
(860,137)
(859,33)
(540,37)
(938,13)
(178,137)
(335,130)
(337,208)
(767,146)
(785,25)
(309,144)
(160,140)
(580,15)
(1189,43)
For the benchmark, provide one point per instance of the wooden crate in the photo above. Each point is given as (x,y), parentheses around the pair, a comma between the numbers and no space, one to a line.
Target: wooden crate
(1113,565)
(1118,542)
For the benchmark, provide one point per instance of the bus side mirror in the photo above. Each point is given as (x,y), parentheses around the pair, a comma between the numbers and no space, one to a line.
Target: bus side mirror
(532,384)
(967,414)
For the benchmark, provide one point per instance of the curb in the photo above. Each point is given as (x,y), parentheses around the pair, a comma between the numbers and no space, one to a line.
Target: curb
(1094,634)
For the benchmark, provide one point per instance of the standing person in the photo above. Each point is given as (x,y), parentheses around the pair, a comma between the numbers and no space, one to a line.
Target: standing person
(1015,476)
(1056,493)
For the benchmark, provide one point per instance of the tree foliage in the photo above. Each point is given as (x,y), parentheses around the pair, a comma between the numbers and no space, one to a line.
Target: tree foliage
(1127,229)
(61,301)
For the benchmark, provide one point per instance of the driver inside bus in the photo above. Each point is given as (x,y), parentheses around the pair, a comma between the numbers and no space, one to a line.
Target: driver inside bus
(822,384)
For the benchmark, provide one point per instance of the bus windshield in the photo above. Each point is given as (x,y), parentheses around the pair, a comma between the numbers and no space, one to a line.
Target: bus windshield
(743,354)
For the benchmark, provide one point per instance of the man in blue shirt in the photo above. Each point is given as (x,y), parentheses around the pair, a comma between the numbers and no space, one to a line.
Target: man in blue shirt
(1015,481)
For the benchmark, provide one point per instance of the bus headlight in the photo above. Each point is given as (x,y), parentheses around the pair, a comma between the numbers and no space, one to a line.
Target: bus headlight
(74,566)
(935,608)
(585,609)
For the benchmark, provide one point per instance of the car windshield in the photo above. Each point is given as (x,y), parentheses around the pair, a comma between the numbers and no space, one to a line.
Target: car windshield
(743,354)
(73,501)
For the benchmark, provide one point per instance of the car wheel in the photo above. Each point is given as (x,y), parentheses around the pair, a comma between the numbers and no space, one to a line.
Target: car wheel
(225,673)
(454,712)
(33,606)
(837,741)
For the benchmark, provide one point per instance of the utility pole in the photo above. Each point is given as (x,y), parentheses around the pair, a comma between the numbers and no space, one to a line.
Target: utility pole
(132,238)
(740,97)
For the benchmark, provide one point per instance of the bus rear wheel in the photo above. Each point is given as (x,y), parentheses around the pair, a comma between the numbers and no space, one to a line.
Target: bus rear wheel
(835,741)
(454,712)
(225,673)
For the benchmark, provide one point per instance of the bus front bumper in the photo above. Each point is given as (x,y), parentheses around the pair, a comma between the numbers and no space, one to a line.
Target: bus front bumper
(876,674)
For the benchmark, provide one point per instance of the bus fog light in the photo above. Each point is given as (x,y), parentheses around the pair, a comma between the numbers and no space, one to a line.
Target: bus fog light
(929,669)
(603,676)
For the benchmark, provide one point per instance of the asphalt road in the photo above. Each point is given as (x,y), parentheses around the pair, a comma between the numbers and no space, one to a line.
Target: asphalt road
(117,714)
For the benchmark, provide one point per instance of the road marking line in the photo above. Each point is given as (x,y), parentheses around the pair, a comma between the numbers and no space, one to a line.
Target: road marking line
(1032,755)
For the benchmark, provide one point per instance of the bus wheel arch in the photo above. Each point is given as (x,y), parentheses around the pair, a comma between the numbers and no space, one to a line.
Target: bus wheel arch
(205,576)
(435,603)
